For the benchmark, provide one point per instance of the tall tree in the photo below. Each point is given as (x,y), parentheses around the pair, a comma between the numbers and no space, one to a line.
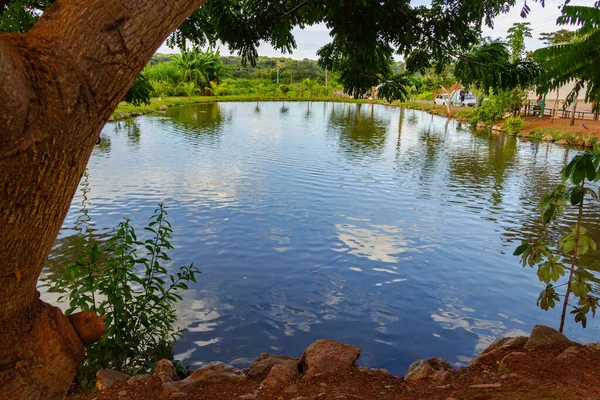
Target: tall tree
(516,39)
(561,36)
(575,62)
(63,78)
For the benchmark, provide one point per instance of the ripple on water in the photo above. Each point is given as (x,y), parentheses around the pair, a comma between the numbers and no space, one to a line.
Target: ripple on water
(386,228)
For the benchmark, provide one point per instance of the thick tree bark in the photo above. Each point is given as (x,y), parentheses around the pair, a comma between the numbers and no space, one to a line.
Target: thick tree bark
(60,83)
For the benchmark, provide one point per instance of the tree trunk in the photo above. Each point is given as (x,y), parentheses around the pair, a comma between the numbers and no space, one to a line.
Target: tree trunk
(573,111)
(61,81)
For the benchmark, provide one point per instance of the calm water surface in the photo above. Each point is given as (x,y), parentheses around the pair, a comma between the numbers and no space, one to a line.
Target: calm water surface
(386,228)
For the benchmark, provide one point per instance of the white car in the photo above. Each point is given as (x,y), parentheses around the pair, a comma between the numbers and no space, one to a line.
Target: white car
(470,99)
(440,99)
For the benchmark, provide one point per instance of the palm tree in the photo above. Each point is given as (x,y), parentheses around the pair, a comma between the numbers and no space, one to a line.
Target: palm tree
(201,68)
(576,61)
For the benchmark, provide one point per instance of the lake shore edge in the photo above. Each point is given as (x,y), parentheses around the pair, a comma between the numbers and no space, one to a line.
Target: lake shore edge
(545,364)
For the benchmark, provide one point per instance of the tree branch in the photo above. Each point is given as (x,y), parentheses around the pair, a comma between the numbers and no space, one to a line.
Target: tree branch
(292,11)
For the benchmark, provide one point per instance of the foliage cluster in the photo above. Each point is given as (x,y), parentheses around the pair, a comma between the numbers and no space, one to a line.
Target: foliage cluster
(576,61)
(493,108)
(564,257)
(514,124)
(135,293)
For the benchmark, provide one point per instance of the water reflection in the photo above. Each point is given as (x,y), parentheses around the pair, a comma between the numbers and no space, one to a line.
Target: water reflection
(201,123)
(359,133)
(387,228)
(131,128)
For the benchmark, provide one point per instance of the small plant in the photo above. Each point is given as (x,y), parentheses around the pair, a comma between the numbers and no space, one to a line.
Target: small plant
(136,294)
(514,124)
(189,88)
(576,243)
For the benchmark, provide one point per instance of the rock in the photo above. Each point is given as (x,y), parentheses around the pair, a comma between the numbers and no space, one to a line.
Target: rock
(375,371)
(165,371)
(326,356)
(247,397)
(290,390)
(215,372)
(139,378)
(106,378)
(486,386)
(592,346)
(282,374)
(433,368)
(544,336)
(517,341)
(547,138)
(511,361)
(563,142)
(164,108)
(261,367)
(570,352)
(481,125)
(497,127)
(496,344)
(88,325)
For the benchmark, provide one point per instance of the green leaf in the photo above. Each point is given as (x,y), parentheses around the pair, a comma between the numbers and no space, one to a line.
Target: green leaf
(576,195)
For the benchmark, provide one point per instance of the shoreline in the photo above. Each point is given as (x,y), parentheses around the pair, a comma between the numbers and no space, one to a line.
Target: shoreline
(543,365)
(584,134)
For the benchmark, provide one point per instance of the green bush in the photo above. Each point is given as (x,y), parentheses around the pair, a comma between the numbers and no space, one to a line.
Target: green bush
(514,124)
(491,110)
(425,96)
(136,294)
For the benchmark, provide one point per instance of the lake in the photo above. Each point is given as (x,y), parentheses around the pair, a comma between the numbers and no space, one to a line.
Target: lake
(386,228)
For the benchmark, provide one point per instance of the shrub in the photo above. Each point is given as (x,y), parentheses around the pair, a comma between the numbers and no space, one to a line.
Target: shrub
(136,294)
(425,96)
(564,257)
(514,124)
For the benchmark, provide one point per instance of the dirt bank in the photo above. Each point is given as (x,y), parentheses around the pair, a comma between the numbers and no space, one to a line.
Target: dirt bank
(545,365)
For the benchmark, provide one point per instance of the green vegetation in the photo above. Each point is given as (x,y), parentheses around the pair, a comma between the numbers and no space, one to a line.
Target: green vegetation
(576,61)
(564,257)
(135,293)
(514,124)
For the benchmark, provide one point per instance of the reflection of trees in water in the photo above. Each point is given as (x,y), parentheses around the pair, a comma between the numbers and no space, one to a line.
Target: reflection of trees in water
(132,129)
(358,134)
(199,122)
(102,149)
(68,247)
(488,158)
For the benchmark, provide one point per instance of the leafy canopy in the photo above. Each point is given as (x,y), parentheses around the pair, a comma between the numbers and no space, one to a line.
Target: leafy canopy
(365,34)
(576,61)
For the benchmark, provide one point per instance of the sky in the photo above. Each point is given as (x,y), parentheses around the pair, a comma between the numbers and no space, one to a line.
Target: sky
(310,39)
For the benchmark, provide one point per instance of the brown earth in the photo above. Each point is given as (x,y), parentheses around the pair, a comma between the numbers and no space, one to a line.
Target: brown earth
(535,375)
(592,127)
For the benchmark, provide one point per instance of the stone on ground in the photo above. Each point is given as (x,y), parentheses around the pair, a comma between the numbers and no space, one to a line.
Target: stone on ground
(165,371)
(543,336)
(436,369)
(282,374)
(261,367)
(326,356)
(106,378)
(215,372)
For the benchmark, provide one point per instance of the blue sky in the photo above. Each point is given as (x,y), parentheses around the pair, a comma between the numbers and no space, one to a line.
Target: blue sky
(542,19)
